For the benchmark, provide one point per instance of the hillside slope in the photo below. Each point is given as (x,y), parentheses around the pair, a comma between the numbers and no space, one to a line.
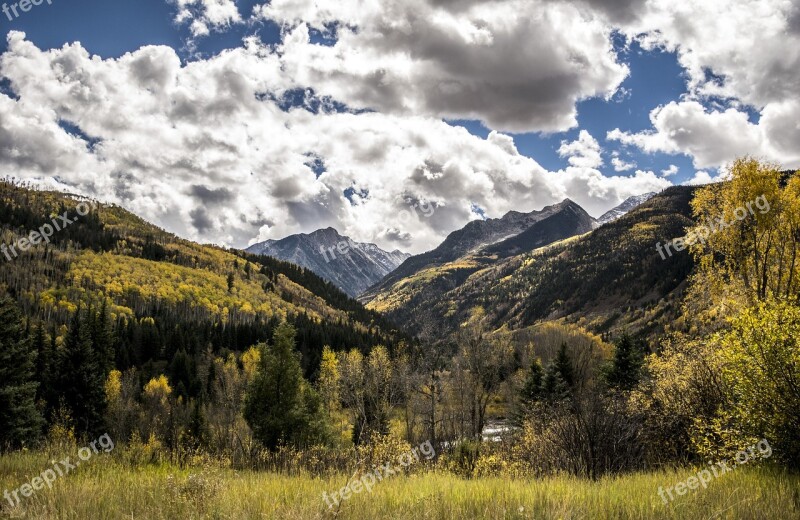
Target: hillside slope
(610,278)
(480,234)
(171,290)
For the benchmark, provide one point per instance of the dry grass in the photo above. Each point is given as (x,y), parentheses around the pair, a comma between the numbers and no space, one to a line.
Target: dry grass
(105,488)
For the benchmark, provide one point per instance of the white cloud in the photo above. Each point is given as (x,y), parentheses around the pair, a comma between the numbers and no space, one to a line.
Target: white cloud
(749,43)
(619,164)
(516,65)
(715,138)
(586,185)
(204,16)
(711,138)
(703,177)
(737,53)
(201,150)
(584,152)
(669,172)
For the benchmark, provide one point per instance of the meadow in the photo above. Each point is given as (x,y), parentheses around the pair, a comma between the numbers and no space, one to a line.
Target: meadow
(108,488)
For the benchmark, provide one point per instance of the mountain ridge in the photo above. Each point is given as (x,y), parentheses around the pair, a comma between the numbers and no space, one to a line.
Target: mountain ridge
(471,239)
(625,207)
(352,266)
(588,276)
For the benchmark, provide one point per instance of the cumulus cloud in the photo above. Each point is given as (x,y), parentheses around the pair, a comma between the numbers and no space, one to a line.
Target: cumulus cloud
(703,177)
(516,65)
(203,16)
(711,138)
(584,152)
(669,172)
(587,186)
(738,54)
(742,49)
(204,150)
(714,138)
(621,165)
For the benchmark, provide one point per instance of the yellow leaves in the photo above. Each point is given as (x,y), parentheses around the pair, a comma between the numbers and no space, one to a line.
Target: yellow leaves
(759,248)
(113,386)
(329,377)
(127,277)
(379,366)
(645,228)
(158,389)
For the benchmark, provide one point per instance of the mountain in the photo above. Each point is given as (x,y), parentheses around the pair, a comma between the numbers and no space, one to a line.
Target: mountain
(609,279)
(351,266)
(511,234)
(164,294)
(626,206)
(567,221)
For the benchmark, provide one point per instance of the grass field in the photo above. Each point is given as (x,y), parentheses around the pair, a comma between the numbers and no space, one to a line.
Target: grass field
(106,488)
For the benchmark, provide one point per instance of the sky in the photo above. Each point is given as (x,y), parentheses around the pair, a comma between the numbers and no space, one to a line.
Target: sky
(232,122)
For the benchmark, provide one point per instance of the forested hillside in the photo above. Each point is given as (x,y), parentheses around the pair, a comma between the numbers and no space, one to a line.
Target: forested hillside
(609,279)
(162,295)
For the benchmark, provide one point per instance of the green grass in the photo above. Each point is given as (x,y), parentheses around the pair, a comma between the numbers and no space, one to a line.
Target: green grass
(105,488)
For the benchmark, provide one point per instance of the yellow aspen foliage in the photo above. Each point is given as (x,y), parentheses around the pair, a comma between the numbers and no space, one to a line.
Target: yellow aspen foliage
(158,389)
(250,361)
(113,386)
(329,378)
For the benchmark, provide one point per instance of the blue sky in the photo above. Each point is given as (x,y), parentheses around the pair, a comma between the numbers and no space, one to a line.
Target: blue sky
(110,29)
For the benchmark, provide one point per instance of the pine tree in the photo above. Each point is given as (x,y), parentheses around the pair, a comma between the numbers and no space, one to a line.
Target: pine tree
(103,338)
(82,379)
(563,365)
(554,387)
(20,420)
(624,371)
(532,390)
(281,407)
(198,425)
(44,360)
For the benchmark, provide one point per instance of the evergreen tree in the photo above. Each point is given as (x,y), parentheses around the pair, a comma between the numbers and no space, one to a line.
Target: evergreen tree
(198,425)
(81,387)
(180,373)
(625,368)
(563,365)
(20,420)
(554,387)
(281,407)
(103,338)
(532,390)
(44,359)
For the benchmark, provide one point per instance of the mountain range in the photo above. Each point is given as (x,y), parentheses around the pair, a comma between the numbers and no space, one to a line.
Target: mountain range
(352,266)
(559,268)
(514,233)
(363,270)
